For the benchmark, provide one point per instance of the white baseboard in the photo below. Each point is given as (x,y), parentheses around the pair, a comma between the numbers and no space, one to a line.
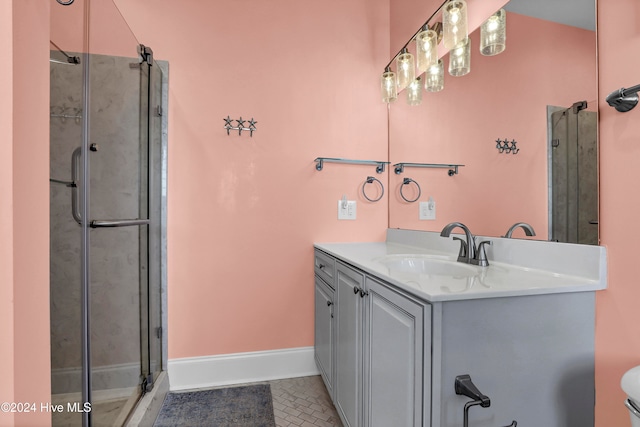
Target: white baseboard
(239,368)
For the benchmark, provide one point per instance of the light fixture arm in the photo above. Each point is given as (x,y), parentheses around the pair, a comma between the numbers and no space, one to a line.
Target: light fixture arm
(624,99)
(422,27)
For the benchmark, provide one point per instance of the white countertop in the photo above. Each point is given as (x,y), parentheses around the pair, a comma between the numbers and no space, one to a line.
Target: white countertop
(532,267)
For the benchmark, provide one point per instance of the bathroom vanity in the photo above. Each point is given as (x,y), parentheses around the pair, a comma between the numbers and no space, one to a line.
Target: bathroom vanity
(397,321)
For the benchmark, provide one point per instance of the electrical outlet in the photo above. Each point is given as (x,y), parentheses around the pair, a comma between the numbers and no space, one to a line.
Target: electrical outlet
(428,210)
(348,211)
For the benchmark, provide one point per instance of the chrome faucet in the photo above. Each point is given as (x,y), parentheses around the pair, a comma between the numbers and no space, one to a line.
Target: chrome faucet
(528,230)
(469,253)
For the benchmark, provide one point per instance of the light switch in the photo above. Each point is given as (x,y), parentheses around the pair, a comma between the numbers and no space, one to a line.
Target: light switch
(347,209)
(428,209)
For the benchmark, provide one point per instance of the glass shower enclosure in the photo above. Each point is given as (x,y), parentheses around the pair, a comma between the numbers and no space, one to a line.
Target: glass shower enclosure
(107,200)
(573,174)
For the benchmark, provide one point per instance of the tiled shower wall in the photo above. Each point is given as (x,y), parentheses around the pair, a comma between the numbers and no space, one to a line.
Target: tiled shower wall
(574,158)
(114,252)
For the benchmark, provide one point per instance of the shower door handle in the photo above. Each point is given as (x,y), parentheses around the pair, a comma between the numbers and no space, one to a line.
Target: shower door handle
(75,171)
(75,202)
(100,223)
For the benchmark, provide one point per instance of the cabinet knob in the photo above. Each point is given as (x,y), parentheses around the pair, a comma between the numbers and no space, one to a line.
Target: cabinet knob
(356,290)
(363,293)
(329,303)
(320,266)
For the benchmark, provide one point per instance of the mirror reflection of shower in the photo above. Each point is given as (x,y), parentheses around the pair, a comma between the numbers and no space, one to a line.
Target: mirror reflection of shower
(573,174)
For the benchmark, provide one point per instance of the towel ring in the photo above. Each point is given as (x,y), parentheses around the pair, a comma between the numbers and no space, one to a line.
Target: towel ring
(407,181)
(370,180)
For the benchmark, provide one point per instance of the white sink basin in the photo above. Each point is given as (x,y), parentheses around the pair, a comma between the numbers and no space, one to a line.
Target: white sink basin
(427,264)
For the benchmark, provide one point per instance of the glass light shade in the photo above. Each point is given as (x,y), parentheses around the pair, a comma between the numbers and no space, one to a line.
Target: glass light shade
(460,59)
(388,87)
(414,92)
(406,69)
(426,52)
(434,77)
(493,34)
(454,23)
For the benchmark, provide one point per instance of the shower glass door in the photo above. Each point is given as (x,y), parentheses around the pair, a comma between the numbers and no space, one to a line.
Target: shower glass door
(122,257)
(106,231)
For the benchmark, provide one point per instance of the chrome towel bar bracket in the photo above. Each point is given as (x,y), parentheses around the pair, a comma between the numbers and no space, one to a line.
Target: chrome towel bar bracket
(380,165)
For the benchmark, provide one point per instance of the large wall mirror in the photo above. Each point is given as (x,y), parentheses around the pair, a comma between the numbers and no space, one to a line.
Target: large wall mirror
(532,93)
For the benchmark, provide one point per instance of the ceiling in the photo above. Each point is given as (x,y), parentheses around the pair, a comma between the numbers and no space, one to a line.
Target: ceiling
(576,13)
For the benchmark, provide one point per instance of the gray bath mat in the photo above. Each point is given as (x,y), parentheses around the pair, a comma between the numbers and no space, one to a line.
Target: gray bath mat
(248,406)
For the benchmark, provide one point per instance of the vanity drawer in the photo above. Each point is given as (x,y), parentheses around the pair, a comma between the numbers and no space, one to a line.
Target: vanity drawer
(325,267)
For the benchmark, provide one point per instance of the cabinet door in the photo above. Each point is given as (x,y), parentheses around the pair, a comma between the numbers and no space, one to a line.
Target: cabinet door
(324,332)
(393,342)
(348,384)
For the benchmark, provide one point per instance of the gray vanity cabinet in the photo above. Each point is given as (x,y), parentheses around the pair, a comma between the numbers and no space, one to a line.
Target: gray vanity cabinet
(395,356)
(324,330)
(380,352)
(324,324)
(349,358)
(532,355)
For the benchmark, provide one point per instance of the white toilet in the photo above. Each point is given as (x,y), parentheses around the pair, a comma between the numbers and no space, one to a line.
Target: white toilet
(631,385)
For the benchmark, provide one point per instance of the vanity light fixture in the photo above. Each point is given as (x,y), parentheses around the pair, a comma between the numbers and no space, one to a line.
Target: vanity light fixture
(454,32)
(434,77)
(406,69)
(388,86)
(414,91)
(493,34)
(454,23)
(426,48)
(389,93)
(460,58)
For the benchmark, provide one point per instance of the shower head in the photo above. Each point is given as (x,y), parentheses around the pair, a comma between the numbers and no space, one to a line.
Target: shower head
(623,99)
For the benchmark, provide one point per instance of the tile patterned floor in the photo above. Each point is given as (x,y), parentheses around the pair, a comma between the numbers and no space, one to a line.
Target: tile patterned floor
(303,402)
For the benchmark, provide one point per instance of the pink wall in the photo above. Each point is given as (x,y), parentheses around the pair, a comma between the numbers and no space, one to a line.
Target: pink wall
(244,212)
(31,203)
(109,32)
(24,201)
(617,338)
(67,25)
(504,96)
(7,392)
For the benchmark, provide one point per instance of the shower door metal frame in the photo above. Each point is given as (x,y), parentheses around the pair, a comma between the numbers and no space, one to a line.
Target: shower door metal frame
(86,224)
(85,296)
